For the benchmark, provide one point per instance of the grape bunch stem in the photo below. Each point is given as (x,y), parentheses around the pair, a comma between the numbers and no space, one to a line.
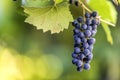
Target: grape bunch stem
(102,20)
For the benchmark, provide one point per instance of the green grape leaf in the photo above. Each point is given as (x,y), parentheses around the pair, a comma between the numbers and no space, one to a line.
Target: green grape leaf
(55,19)
(37,3)
(105,9)
(108,33)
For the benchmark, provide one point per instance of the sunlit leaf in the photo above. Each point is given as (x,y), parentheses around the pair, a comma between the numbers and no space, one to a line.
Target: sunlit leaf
(37,3)
(55,19)
(108,33)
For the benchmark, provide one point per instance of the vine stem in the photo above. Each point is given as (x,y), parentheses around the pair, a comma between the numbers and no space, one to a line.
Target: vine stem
(83,13)
(102,20)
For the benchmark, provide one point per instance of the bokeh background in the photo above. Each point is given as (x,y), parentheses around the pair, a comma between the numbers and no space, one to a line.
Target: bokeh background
(30,54)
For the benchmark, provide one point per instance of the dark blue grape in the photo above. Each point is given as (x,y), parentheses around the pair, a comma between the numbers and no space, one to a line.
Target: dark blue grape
(90,56)
(87,33)
(94,22)
(76,31)
(80,19)
(90,47)
(77,26)
(88,21)
(85,45)
(79,63)
(75,22)
(74,61)
(77,50)
(89,27)
(83,26)
(93,32)
(91,41)
(83,40)
(81,56)
(86,66)
(94,27)
(94,14)
(77,40)
(87,15)
(81,34)
(86,52)
(74,55)
(80,69)
(75,36)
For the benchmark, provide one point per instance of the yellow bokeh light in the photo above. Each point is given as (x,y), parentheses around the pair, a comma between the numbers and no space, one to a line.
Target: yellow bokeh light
(8,68)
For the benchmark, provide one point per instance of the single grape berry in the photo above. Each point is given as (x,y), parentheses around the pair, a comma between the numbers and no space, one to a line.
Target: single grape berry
(83,40)
(79,69)
(81,35)
(74,55)
(85,45)
(94,14)
(91,41)
(87,33)
(81,56)
(86,52)
(94,22)
(74,61)
(94,27)
(79,63)
(77,41)
(80,19)
(83,26)
(77,50)
(86,66)
(75,22)
(90,47)
(88,21)
(90,56)
(77,26)
(93,32)
(76,31)
(89,27)
(87,15)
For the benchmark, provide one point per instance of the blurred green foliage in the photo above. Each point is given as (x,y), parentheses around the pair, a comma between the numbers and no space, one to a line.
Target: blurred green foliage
(29,54)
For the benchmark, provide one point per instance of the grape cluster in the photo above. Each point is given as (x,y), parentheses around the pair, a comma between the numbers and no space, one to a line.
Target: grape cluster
(84,32)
